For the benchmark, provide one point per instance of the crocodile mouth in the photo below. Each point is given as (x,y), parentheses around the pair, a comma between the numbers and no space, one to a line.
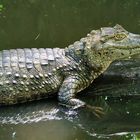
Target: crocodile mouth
(128,45)
(128,53)
(127,48)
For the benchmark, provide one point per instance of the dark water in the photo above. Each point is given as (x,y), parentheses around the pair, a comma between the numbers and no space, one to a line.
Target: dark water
(58,23)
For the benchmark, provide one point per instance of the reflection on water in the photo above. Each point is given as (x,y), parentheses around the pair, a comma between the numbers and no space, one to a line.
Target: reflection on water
(47,118)
(28,113)
(39,23)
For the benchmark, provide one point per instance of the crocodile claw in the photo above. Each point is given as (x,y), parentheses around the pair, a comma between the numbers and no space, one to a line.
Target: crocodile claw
(97,111)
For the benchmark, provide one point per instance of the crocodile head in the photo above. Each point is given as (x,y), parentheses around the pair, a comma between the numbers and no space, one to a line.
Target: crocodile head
(111,43)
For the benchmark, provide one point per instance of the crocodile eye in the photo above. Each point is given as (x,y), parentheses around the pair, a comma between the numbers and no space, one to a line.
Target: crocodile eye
(120,36)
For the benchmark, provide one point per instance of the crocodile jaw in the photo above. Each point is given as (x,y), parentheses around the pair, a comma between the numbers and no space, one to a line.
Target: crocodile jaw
(122,49)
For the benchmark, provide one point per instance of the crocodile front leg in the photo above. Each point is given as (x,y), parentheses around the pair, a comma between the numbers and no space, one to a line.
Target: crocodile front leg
(67,92)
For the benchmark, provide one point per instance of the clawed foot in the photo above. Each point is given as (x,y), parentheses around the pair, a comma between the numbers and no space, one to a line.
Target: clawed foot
(76,104)
(97,111)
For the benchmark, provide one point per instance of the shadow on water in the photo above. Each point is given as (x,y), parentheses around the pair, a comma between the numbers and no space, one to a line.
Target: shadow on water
(54,23)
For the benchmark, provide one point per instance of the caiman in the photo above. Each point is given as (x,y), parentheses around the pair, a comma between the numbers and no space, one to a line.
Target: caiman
(32,74)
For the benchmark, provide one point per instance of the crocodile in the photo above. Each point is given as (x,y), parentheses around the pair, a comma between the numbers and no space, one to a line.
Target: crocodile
(31,74)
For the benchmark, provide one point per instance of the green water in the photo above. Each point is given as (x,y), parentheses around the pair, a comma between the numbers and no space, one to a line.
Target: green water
(58,23)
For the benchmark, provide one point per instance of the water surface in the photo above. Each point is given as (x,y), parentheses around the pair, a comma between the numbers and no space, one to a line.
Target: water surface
(55,23)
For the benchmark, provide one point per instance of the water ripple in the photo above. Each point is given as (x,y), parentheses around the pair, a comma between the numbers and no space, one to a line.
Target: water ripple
(33,117)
